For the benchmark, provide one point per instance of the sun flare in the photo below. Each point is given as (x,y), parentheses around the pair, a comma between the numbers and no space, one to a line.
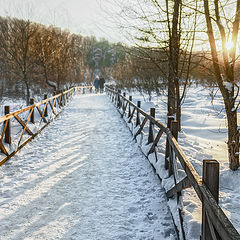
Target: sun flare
(229,45)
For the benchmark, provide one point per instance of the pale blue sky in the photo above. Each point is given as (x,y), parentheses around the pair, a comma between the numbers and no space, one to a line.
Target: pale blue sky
(87,17)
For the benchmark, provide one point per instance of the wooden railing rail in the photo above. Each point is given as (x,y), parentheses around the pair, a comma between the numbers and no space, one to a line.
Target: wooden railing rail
(216,225)
(47,109)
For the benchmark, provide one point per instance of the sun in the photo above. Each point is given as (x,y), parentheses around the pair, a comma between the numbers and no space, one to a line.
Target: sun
(229,45)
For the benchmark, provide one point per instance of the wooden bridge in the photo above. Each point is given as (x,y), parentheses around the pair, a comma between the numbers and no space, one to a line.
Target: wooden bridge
(82,144)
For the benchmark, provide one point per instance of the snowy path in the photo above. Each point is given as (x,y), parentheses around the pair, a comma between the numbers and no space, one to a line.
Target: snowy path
(83,178)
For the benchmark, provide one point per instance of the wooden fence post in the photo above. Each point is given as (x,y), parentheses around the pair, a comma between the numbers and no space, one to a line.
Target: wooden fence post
(46,110)
(32,116)
(174,131)
(170,119)
(123,104)
(211,180)
(112,97)
(61,99)
(129,107)
(67,96)
(54,103)
(116,97)
(83,90)
(138,117)
(8,129)
(119,100)
(64,97)
(150,133)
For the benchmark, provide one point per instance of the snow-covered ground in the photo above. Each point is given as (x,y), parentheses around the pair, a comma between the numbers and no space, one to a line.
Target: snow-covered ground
(203,136)
(46,185)
(83,178)
(14,104)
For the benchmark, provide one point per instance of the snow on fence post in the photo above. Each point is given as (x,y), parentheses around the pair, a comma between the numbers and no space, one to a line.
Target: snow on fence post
(170,119)
(46,110)
(129,107)
(138,117)
(32,116)
(174,130)
(211,180)
(8,128)
(150,133)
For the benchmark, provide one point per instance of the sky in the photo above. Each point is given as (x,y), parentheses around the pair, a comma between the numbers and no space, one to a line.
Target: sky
(87,17)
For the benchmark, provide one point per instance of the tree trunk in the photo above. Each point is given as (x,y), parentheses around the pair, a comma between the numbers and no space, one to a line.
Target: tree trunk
(173,84)
(233,136)
(179,114)
(171,95)
(25,81)
(28,93)
(228,94)
(46,78)
(178,104)
(58,82)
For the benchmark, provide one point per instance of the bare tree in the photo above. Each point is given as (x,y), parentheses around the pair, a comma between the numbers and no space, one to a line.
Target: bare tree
(44,48)
(16,36)
(163,25)
(224,73)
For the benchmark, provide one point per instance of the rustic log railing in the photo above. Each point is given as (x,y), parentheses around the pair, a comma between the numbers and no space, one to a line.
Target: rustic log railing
(26,124)
(215,224)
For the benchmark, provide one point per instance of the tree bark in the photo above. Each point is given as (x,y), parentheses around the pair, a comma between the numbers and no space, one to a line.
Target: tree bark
(173,58)
(178,107)
(28,93)
(46,78)
(233,135)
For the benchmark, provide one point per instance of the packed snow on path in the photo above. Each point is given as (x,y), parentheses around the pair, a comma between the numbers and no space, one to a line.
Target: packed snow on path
(83,178)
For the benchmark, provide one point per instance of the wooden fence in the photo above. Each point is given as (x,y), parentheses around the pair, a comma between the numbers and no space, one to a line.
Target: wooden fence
(215,224)
(28,122)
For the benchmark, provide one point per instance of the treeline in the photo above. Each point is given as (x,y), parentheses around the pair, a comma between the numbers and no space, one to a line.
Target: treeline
(166,34)
(34,57)
(147,70)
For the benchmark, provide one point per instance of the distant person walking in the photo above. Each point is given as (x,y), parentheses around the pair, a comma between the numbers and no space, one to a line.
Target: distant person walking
(101,84)
(96,84)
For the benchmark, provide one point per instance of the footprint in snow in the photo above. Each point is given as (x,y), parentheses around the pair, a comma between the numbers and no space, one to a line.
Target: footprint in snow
(151,216)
